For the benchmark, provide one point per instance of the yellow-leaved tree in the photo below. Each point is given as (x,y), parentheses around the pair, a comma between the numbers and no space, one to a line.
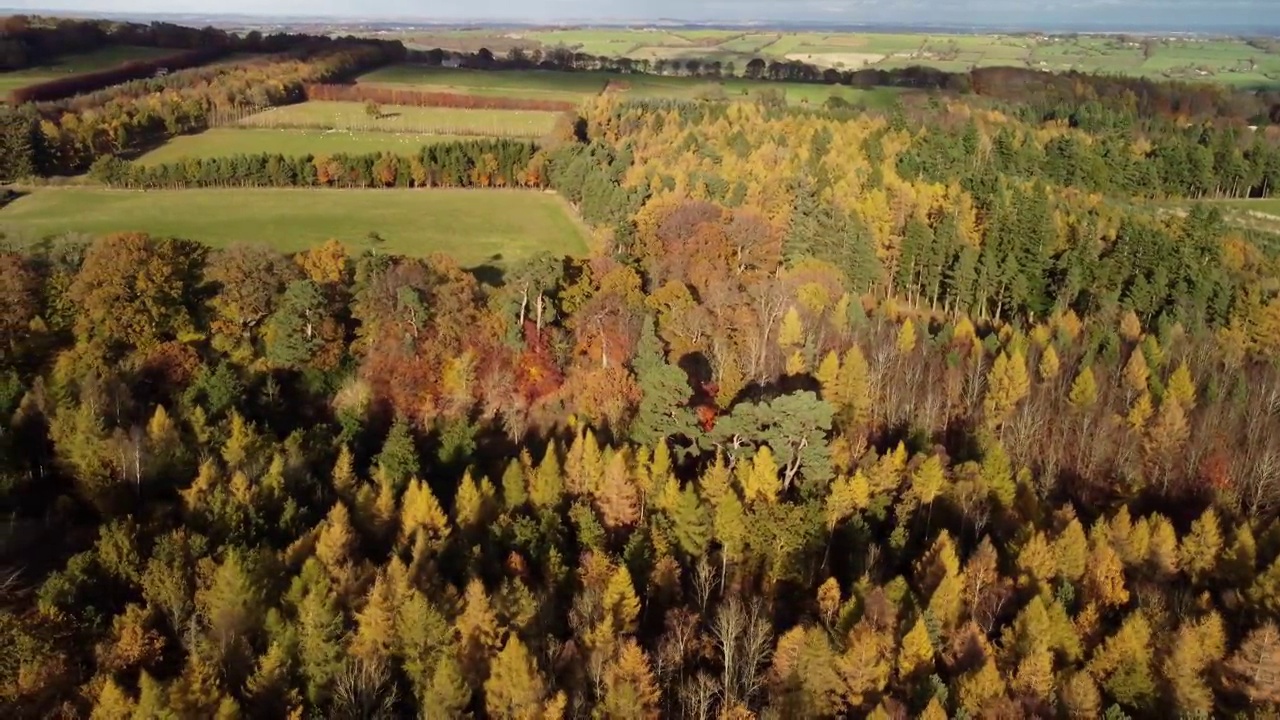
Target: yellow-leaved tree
(1007,385)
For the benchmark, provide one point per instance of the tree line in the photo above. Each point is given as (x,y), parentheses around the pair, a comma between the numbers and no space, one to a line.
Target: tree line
(424,98)
(66,136)
(81,83)
(1138,98)
(459,164)
(29,41)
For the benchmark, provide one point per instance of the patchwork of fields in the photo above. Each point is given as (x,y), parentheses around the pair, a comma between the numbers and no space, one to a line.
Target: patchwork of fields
(488,226)
(477,227)
(1218,60)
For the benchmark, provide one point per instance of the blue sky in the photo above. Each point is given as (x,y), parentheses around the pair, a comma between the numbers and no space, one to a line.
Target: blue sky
(1190,14)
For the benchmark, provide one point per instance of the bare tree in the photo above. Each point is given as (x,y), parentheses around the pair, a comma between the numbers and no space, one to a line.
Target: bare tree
(698,697)
(744,637)
(364,691)
(704,582)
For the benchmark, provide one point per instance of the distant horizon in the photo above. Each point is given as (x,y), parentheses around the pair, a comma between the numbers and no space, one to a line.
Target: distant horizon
(1241,17)
(1098,28)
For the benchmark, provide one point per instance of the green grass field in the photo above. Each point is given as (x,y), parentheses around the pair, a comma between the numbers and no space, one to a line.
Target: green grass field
(402,119)
(518,83)
(1269,206)
(102,59)
(477,227)
(536,84)
(652,86)
(221,142)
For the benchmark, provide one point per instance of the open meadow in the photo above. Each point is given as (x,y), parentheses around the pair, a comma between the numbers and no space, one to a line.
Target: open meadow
(222,142)
(540,84)
(352,116)
(107,57)
(535,84)
(477,227)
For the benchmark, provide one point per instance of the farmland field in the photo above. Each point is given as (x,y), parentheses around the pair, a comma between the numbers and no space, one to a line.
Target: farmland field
(403,119)
(536,84)
(102,59)
(222,142)
(1212,60)
(474,226)
(519,83)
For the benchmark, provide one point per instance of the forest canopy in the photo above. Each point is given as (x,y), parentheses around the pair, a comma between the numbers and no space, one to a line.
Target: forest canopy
(955,410)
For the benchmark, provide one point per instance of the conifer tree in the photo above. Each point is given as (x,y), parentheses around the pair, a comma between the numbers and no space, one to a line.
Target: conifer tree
(478,633)
(1162,553)
(1182,388)
(344,475)
(514,492)
(663,410)
(398,460)
(618,499)
(1122,664)
(1084,390)
(1140,412)
(1007,385)
(630,690)
(422,517)
(376,636)
(1049,364)
(1200,550)
(1104,580)
(546,487)
(320,647)
(1197,646)
(853,398)
(1136,373)
(760,483)
(916,656)
(447,694)
(515,688)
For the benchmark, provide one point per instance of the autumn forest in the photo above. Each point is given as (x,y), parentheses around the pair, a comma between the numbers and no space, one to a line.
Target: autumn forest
(968,407)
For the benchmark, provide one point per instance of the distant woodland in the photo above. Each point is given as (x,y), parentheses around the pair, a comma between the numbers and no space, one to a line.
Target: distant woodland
(964,409)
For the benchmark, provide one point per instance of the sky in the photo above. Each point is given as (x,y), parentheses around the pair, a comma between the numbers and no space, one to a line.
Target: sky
(1189,15)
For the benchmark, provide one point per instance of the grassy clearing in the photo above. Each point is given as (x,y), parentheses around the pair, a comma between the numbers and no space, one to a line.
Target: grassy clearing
(102,59)
(222,142)
(1269,206)
(403,119)
(477,227)
(537,84)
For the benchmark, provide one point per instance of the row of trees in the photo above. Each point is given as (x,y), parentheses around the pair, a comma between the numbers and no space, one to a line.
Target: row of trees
(423,98)
(462,163)
(1134,97)
(81,83)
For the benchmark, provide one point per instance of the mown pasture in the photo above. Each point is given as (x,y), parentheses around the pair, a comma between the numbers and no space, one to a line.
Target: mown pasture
(476,227)
(356,117)
(223,142)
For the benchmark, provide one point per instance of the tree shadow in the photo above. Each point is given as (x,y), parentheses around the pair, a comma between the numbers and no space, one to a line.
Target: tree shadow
(490,272)
(7,196)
